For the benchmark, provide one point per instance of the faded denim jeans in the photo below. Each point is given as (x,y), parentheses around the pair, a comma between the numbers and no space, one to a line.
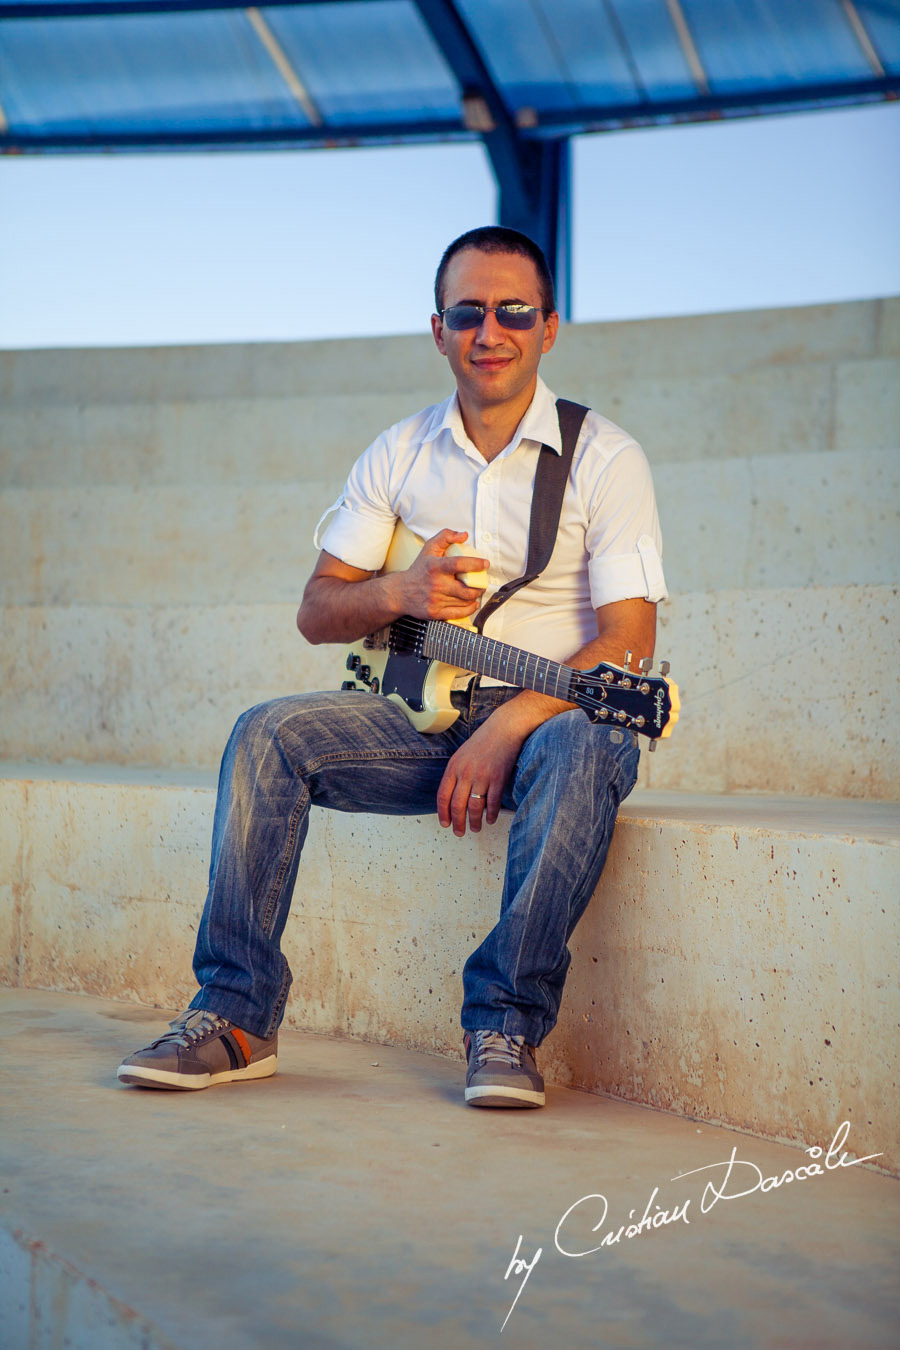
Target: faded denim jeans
(357,752)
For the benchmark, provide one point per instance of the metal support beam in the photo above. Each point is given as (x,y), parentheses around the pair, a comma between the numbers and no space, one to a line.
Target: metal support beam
(529,173)
(538,205)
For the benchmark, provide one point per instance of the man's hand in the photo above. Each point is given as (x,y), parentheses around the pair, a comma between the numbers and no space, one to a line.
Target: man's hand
(483,765)
(432,587)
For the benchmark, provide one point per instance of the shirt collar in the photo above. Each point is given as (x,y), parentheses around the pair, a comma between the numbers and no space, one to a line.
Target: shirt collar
(540,423)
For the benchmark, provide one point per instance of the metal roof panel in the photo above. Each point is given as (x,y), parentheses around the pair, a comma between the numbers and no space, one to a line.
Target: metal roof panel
(366,59)
(762,44)
(140,72)
(551,53)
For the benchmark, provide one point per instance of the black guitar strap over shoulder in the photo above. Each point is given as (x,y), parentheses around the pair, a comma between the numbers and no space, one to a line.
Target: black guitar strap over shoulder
(550,480)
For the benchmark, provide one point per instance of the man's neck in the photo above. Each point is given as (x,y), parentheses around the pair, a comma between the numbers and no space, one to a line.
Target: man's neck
(490,427)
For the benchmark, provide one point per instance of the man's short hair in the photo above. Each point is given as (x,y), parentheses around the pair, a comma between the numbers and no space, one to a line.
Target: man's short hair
(496,239)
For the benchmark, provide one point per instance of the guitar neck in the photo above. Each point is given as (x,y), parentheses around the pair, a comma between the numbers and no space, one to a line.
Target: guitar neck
(462,647)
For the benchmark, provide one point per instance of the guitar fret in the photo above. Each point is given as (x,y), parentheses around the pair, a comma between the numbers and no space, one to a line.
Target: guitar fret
(468,650)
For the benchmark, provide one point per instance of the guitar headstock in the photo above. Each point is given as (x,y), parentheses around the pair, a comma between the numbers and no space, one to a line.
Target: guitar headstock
(629,700)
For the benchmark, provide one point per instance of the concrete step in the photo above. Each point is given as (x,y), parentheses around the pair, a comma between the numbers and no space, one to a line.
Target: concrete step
(792,520)
(798,408)
(828,519)
(773,702)
(705,387)
(160,545)
(275,439)
(735,965)
(352,1202)
(693,345)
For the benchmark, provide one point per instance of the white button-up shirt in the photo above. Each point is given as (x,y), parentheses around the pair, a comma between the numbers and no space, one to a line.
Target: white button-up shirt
(426,471)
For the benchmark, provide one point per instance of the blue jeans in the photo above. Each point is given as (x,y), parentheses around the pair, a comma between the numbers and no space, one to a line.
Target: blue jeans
(357,752)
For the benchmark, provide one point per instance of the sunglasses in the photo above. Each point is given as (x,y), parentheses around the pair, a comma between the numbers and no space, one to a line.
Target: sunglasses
(460,317)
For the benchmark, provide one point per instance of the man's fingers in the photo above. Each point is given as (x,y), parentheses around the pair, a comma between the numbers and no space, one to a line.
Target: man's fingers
(437,545)
(460,563)
(445,792)
(493,804)
(476,807)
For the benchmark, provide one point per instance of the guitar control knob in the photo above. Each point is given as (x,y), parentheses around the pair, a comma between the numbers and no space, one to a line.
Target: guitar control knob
(364,673)
(352,661)
(348,684)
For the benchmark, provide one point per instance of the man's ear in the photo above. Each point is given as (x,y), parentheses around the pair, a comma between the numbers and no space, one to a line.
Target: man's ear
(551,328)
(437,332)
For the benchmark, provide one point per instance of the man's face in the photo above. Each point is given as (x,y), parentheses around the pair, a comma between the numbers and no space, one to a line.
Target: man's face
(494,365)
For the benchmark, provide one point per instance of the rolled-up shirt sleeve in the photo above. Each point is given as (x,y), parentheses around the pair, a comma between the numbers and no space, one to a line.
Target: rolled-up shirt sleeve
(358,527)
(623,538)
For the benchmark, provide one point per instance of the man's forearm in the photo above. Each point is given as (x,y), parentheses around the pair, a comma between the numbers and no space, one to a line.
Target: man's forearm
(333,610)
(342,603)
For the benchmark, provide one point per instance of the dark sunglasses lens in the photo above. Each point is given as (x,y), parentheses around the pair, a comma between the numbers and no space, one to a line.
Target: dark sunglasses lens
(517,316)
(460,317)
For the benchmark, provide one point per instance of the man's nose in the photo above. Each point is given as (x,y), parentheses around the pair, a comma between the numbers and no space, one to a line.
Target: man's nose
(490,332)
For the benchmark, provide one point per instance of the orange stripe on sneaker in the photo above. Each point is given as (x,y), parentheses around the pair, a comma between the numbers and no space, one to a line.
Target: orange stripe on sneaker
(243,1043)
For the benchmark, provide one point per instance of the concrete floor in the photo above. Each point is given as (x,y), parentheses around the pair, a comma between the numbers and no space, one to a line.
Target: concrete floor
(353,1201)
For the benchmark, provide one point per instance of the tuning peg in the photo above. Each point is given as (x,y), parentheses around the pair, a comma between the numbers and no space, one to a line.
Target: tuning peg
(652,746)
(645,665)
(627,663)
(616,736)
(634,739)
(664,668)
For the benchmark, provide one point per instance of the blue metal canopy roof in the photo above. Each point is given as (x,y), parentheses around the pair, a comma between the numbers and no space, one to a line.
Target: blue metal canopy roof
(521,75)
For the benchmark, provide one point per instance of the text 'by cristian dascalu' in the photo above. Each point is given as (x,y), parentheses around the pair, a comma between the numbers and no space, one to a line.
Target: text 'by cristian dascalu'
(735,1177)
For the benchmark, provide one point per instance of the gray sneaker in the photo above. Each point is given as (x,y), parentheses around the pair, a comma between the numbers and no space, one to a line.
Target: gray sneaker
(501,1071)
(200,1049)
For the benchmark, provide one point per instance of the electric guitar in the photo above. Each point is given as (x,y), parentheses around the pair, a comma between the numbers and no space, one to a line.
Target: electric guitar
(413,662)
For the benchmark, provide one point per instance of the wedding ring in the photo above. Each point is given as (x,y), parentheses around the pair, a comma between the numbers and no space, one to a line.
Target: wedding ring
(478,796)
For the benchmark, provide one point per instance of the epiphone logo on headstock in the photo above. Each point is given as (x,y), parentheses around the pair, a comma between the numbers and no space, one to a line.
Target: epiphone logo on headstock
(660,700)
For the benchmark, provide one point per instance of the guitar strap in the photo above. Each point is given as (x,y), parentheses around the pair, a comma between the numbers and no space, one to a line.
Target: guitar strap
(550,480)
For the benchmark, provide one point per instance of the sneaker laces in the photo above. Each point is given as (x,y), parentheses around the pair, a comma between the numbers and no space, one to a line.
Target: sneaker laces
(497,1046)
(188,1027)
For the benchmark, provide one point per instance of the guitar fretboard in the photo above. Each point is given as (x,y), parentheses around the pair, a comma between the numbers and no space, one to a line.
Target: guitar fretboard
(462,647)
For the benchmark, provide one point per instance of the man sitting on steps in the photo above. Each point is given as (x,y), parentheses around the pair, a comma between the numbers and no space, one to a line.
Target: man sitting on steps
(463,470)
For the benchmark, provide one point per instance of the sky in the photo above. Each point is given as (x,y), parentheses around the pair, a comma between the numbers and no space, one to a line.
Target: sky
(168,249)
